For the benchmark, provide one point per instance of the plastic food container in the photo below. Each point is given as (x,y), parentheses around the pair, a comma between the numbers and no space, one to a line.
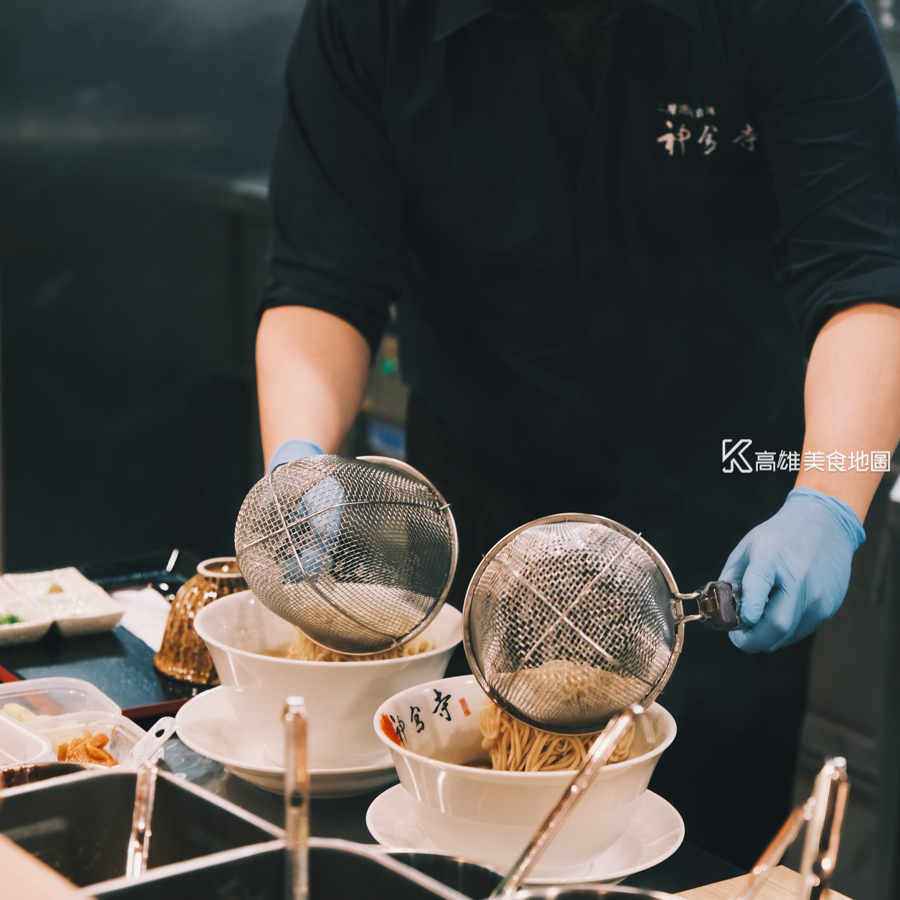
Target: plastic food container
(57,710)
(37,698)
(123,734)
(19,745)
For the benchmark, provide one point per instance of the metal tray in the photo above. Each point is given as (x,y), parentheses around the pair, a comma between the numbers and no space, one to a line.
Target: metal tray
(201,846)
(80,824)
(338,870)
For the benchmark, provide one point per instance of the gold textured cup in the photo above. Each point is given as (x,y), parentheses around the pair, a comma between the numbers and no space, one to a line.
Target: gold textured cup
(183,654)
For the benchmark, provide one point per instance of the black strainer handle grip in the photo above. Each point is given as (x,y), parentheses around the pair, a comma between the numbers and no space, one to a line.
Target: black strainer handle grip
(720,605)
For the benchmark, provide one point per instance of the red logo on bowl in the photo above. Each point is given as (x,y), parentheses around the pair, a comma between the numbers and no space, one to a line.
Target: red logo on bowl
(465,706)
(387,726)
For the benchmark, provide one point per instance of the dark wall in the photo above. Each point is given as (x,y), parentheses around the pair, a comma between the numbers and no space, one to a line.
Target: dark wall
(127,280)
(129,267)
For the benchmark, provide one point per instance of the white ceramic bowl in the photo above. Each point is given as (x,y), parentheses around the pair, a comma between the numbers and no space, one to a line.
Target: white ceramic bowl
(490,816)
(340,698)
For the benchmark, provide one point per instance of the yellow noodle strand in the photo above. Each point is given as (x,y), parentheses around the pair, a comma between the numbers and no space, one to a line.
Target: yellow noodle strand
(303,648)
(516,747)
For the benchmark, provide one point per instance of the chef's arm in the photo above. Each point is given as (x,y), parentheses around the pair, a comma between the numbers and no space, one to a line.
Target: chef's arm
(311,369)
(853,398)
(795,567)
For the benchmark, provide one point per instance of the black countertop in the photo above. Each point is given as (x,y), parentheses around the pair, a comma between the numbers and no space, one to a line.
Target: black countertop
(116,661)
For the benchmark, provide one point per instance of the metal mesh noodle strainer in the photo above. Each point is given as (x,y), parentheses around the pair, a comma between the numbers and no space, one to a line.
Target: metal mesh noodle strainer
(357,553)
(572,618)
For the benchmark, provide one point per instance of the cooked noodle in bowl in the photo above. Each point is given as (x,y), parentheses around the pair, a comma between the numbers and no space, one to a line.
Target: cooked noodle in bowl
(469,809)
(251,648)
(301,647)
(516,747)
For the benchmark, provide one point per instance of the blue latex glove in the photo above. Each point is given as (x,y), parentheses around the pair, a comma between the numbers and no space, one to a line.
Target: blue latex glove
(314,528)
(291,450)
(316,519)
(794,569)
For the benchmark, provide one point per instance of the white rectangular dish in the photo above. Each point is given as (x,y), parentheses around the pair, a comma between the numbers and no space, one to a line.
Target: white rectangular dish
(76,604)
(35,622)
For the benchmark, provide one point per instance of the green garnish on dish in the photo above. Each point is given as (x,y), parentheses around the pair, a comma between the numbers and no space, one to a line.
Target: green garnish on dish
(10,619)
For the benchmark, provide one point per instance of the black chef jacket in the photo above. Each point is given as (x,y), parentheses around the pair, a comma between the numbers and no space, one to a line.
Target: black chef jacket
(601,281)
(604,283)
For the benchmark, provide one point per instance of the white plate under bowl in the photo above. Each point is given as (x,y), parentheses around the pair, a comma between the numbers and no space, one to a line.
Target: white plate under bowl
(207,724)
(654,834)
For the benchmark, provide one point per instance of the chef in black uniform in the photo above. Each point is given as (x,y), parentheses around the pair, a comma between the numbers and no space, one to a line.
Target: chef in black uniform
(623,238)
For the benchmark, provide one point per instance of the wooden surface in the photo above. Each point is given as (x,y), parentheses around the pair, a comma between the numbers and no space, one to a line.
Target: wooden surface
(26,878)
(783,884)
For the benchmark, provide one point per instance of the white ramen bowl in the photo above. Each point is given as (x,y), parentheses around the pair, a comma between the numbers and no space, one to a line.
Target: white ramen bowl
(341,697)
(490,816)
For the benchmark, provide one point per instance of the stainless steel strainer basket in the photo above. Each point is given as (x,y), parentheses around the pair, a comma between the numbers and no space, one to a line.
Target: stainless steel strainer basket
(572,618)
(357,553)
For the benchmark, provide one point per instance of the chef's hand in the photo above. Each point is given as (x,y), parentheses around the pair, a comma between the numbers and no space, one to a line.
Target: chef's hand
(291,450)
(794,569)
(316,519)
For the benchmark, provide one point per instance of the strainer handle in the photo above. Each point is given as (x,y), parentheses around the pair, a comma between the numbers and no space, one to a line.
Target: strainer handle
(719,603)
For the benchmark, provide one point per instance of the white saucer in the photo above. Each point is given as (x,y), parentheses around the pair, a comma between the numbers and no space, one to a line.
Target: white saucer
(207,724)
(655,833)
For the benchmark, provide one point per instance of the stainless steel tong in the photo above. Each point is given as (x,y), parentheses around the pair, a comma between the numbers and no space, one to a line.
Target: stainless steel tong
(139,840)
(598,755)
(296,800)
(822,814)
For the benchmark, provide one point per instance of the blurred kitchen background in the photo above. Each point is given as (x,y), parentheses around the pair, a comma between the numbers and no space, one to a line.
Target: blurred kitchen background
(134,147)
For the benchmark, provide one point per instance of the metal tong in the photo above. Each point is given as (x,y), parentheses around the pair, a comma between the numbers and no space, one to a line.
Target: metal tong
(296,801)
(145,753)
(596,758)
(822,814)
(139,841)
